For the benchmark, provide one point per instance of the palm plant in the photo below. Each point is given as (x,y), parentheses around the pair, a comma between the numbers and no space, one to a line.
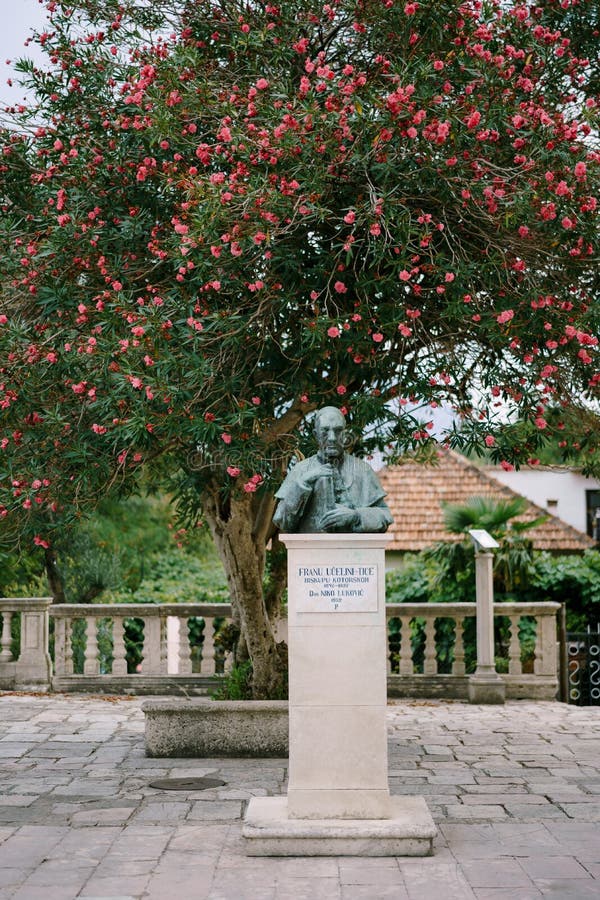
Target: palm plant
(514,558)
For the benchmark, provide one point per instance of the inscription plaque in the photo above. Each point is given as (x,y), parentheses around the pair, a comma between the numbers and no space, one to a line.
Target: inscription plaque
(326,589)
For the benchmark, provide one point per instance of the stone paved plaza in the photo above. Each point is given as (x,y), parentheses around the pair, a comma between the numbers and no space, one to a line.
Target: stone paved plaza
(514,790)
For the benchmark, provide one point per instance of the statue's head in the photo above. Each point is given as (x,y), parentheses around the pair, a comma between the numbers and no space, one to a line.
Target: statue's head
(330,429)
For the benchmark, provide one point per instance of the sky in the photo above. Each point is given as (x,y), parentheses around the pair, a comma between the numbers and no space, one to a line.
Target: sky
(17,18)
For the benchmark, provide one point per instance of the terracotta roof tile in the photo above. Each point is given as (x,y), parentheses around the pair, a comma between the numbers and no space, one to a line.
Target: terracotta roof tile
(415,494)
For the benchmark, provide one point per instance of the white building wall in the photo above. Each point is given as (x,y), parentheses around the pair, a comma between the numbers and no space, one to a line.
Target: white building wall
(560,491)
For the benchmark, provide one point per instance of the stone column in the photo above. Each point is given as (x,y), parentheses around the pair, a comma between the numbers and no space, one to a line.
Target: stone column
(338,800)
(485,685)
(33,669)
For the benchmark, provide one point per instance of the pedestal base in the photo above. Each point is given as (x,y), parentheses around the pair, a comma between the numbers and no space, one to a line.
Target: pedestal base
(269,832)
(486,689)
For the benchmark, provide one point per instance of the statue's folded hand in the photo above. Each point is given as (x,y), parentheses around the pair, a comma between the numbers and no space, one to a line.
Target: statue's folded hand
(340,517)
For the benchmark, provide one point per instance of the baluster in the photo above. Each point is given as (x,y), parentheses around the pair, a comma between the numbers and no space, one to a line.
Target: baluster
(514,648)
(458,664)
(164,646)
(228,654)
(152,658)
(60,645)
(388,651)
(406,660)
(208,647)
(430,666)
(68,646)
(538,650)
(119,666)
(5,654)
(185,657)
(90,664)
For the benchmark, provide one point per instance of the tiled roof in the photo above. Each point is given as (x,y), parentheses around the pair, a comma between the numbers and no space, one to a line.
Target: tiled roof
(415,494)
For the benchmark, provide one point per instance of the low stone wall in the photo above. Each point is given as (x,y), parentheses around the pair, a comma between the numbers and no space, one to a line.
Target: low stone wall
(456,687)
(214,728)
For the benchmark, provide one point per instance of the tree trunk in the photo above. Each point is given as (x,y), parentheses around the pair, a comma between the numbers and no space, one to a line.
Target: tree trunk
(242,551)
(277,581)
(55,581)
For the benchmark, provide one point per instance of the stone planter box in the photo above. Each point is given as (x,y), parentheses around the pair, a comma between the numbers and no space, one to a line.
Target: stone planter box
(213,728)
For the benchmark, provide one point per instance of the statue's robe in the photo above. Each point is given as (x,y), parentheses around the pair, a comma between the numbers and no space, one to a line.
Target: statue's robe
(354,484)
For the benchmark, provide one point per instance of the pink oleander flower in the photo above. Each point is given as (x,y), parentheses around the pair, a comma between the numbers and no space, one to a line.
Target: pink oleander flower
(505,316)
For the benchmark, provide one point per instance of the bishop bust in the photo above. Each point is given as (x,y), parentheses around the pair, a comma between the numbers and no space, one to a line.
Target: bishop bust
(331,491)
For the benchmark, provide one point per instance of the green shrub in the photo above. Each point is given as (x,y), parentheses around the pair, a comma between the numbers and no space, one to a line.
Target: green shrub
(237,684)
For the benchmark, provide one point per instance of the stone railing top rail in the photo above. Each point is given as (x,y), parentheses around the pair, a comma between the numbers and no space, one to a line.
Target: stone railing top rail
(24,604)
(451,610)
(213,610)
(133,610)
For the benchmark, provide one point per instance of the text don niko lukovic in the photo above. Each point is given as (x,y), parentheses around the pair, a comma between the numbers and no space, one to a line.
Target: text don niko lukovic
(337,588)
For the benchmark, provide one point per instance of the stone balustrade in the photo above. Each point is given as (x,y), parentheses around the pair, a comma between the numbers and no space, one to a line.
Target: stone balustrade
(427,651)
(174,648)
(139,647)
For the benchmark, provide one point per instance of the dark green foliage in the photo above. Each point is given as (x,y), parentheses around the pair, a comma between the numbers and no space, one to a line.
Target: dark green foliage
(126,552)
(237,684)
(513,558)
(574,580)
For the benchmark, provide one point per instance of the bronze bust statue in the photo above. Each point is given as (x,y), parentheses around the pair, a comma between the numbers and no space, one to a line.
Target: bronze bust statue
(331,491)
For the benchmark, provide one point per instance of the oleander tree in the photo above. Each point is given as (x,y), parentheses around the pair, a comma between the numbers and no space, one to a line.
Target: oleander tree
(218,215)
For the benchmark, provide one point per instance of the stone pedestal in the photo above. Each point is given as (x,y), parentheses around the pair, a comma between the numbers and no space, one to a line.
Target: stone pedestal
(33,669)
(338,798)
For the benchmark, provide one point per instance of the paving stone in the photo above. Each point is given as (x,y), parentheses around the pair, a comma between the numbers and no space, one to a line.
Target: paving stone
(382,874)
(263,880)
(583,812)
(311,888)
(554,867)
(55,874)
(17,800)
(495,873)
(565,889)
(29,891)
(173,811)
(216,811)
(117,815)
(428,879)
(29,846)
(199,837)
(533,812)
(479,813)
(141,842)
(114,887)
(493,799)
(528,893)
